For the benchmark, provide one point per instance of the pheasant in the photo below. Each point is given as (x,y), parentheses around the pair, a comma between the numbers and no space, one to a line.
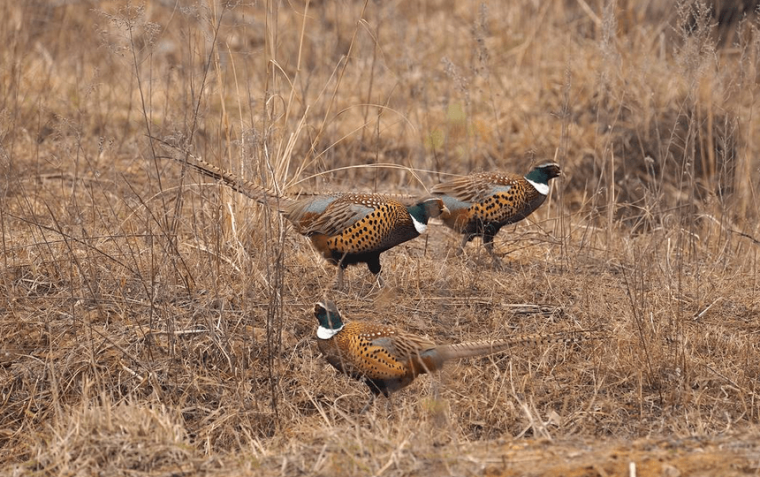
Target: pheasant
(347,229)
(388,359)
(484,202)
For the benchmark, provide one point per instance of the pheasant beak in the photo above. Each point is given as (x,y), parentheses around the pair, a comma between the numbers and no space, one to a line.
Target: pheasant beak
(445,212)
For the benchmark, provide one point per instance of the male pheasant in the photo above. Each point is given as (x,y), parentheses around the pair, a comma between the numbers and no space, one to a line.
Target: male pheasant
(388,359)
(347,229)
(484,202)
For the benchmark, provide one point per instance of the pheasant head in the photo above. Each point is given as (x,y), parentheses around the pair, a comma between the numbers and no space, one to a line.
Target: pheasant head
(425,209)
(540,175)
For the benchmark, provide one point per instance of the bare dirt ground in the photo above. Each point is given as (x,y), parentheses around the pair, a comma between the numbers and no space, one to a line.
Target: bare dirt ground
(155,323)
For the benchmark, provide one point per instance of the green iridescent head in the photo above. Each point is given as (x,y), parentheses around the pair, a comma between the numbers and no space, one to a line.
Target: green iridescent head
(427,208)
(541,174)
(329,319)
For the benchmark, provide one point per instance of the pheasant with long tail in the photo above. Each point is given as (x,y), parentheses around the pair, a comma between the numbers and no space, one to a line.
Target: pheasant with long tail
(388,359)
(348,228)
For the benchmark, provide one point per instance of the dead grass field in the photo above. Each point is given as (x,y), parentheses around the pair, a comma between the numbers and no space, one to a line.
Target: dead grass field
(154,323)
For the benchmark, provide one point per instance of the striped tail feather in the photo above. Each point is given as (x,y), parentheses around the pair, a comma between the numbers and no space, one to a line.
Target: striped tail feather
(485,348)
(258,193)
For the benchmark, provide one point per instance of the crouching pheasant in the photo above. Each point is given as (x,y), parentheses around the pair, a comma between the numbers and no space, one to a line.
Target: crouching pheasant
(347,229)
(484,202)
(388,359)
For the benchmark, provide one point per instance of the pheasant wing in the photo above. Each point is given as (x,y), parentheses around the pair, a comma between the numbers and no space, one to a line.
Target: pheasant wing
(477,187)
(328,214)
(339,216)
(418,354)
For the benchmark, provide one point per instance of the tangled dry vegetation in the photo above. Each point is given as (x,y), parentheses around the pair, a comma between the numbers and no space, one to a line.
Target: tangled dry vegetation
(154,323)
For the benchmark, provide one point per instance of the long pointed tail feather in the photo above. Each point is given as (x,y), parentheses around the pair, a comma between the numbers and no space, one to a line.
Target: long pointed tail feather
(258,193)
(485,348)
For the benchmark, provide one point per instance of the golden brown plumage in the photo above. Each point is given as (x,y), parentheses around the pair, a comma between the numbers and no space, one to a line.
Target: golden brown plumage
(388,359)
(481,203)
(346,229)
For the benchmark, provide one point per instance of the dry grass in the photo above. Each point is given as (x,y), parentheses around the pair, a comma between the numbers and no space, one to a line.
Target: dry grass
(155,324)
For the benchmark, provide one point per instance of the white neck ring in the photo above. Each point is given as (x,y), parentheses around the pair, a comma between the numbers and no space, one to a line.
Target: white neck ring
(326,333)
(542,189)
(419,226)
